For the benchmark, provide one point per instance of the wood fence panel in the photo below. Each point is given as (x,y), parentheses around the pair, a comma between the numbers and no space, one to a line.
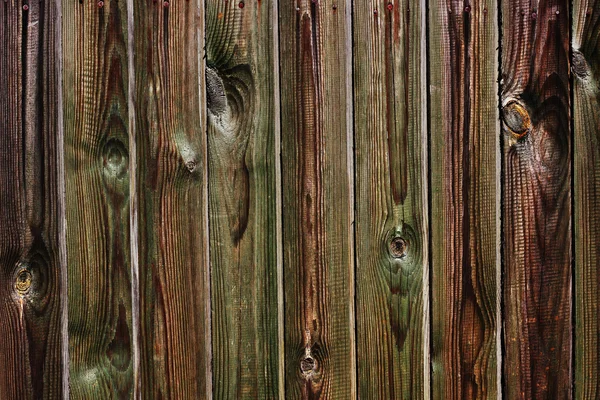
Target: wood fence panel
(536,199)
(586,98)
(31,263)
(317,199)
(240,87)
(465,198)
(391,198)
(96,125)
(171,177)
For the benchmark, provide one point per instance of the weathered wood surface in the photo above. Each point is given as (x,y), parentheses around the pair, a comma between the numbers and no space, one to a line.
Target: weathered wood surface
(391,198)
(97,177)
(536,199)
(171,179)
(465,221)
(317,235)
(240,79)
(31,264)
(586,123)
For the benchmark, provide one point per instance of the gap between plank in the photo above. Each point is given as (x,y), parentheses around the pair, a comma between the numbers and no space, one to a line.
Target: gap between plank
(278,203)
(425,199)
(499,216)
(133,206)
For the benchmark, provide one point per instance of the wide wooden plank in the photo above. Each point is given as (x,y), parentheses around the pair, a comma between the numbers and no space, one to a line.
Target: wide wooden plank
(240,82)
(171,178)
(317,198)
(586,123)
(391,202)
(31,263)
(465,216)
(536,199)
(97,173)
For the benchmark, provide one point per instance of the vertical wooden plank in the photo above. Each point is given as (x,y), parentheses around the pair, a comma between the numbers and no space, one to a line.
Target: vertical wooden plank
(537,199)
(97,171)
(464,152)
(391,202)
(316,200)
(30,261)
(586,103)
(170,132)
(240,87)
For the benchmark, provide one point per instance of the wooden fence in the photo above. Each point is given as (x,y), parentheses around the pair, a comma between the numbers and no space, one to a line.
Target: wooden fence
(252,199)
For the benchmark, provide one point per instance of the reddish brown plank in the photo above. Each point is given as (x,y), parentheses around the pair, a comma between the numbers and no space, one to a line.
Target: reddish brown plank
(536,199)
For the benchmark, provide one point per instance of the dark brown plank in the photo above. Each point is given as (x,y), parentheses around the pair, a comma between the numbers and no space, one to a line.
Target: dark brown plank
(536,199)
(317,198)
(97,173)
(586,103)
(171,178)
(240,82)
(30,204)
(465,216)
(391,198)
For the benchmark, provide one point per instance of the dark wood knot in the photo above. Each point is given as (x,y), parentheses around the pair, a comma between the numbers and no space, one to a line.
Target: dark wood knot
(398,247)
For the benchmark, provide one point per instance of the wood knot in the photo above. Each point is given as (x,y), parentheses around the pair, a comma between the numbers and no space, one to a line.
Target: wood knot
(579,65)
(23,281)
(307,365)
(191,165)
(516,119)
(116,159)
(216,99)
(398,247)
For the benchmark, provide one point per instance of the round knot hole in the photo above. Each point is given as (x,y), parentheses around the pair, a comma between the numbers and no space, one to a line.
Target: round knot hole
(516,118)
(307,365)
(191,165)
(23,281)
(398,247)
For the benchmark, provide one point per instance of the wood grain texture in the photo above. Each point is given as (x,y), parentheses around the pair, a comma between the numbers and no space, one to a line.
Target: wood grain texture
(536,199)
(464,153)
(97,172)
(391,220)
(171,180)
(586,123)
(317,239)
(240,81)
(30,264)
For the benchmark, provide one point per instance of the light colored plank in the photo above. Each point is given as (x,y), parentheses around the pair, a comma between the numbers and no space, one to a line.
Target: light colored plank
(96,127)
(240,84)
(317,209)
(464,160)
(391,202)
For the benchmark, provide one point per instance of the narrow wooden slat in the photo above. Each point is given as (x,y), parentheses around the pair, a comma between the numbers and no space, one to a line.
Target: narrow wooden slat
(96,121)
(240,83)
(391,227)
(170,133)
(30,261)
(536,199)
(464,152)
(586,103)
(317,215)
